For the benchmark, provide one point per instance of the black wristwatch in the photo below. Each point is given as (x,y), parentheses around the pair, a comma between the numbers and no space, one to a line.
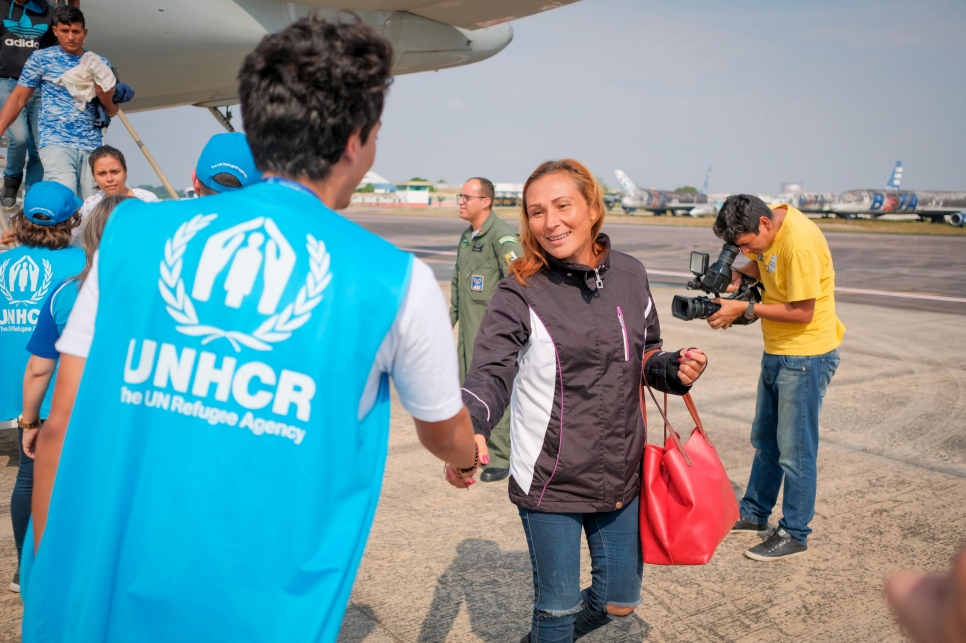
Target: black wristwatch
(750,312)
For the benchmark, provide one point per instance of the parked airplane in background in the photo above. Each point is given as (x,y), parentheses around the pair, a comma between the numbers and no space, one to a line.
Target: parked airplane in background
(931,204)
(188,52)
(656,201)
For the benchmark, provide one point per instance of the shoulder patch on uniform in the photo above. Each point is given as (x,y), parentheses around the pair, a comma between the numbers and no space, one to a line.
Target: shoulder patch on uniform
(510,238)
(510,257)
(476,283)
(464,243)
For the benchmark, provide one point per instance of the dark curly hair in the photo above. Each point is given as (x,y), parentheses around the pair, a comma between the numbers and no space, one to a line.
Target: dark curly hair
(307,88)
(740,214)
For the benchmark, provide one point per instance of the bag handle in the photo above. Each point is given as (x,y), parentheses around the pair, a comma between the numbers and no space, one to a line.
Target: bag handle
(688,402)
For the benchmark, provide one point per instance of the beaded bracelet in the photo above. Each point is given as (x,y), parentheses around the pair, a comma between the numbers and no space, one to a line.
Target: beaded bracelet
(476,461)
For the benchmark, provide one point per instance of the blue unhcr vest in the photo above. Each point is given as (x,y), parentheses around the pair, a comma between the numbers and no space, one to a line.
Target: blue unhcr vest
(216,481)
(27,276)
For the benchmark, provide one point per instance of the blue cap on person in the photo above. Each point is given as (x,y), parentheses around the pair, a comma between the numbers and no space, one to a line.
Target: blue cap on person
(49,203)
(227,153)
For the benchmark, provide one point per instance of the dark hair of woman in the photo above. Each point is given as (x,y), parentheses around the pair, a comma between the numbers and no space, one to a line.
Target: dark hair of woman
(107,151)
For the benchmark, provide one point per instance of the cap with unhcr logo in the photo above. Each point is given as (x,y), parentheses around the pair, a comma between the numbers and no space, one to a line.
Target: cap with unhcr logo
(48,203)
(227,153)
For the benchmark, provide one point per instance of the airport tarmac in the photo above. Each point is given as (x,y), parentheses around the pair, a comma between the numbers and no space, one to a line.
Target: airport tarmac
(446,565)
(929,268)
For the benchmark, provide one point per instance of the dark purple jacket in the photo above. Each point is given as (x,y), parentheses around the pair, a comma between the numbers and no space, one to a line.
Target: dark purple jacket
(564,353)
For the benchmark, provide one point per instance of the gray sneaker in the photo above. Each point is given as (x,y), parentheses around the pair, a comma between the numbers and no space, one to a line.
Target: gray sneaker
(761,528)
(779,545)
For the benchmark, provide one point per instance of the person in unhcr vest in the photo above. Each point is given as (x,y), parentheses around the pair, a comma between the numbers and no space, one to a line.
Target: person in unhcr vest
(28,274)
(42,365)
(229,382)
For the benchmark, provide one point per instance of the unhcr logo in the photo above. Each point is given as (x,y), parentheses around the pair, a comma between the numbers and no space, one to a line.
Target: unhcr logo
(246,254)
(24,278)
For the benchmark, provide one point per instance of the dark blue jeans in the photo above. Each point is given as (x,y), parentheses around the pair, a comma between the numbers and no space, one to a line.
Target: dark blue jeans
(785,436)
(23,491)
(561,611)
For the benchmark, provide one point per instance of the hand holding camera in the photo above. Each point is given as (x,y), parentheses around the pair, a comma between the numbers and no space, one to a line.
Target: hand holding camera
(719,278)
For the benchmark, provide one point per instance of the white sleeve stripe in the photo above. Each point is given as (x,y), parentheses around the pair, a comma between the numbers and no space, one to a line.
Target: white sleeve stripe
(481,402)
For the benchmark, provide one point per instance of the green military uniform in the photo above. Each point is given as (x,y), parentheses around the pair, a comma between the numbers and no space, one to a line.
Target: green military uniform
(481,262)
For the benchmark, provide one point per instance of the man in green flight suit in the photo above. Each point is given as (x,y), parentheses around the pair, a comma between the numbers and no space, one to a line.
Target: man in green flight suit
(484,255)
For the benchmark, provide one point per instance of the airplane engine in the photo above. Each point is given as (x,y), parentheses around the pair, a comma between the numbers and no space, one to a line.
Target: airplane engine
(957,219)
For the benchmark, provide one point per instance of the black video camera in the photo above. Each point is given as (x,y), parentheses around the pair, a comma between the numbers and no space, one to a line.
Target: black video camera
(714,280)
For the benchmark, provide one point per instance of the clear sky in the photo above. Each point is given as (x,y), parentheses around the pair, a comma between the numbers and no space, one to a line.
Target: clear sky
(826,93)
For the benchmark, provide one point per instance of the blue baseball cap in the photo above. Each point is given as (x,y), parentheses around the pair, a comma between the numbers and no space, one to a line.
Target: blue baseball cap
(227,153)
(50,203)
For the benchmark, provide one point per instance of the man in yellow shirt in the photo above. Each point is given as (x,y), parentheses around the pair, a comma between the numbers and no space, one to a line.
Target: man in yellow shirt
(791,259)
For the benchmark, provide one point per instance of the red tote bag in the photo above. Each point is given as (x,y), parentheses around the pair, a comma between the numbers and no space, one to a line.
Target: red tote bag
(687,503)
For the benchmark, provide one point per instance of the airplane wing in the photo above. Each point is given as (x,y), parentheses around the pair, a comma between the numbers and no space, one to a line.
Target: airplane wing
(465,14)
(188,52)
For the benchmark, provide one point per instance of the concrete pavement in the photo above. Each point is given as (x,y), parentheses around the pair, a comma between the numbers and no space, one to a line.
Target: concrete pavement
(448,565)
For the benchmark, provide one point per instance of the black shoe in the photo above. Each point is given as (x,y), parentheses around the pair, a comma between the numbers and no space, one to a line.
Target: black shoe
(779,545)
(8,196)
(493,475)
(525,639)
(15,585)
(748,526)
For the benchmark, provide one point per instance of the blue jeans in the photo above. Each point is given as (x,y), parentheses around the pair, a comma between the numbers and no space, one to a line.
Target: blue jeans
(785,437)
(68,166)
(561,611)
(23,491)
(22,139)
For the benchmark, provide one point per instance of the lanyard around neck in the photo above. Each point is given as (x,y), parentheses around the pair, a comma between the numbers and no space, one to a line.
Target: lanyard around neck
(289,183)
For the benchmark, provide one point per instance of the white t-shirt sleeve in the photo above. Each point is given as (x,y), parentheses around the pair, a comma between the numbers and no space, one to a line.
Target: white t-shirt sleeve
(144,195)
(418,353)
(79,333)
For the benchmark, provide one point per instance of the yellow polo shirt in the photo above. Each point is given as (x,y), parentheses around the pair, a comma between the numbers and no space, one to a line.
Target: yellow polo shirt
(795,267)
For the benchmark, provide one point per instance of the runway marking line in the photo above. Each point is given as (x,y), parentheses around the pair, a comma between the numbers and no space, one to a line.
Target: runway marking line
(840,289)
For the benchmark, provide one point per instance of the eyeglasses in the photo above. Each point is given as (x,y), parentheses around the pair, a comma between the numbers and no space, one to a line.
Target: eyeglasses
(467,197)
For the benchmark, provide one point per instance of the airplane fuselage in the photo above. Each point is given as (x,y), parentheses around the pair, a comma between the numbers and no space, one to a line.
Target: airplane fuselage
(879,202)
(661,201)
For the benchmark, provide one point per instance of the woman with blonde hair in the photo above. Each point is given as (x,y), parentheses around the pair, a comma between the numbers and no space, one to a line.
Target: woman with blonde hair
(562,344)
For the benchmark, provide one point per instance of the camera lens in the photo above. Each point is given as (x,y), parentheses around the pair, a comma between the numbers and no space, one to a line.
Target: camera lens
(688,308)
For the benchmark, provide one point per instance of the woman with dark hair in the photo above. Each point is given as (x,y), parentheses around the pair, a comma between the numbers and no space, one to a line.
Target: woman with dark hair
(28,273)
(109,168)
(562,343)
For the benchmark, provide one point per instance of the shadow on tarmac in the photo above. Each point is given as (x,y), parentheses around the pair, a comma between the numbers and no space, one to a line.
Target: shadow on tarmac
(478,578)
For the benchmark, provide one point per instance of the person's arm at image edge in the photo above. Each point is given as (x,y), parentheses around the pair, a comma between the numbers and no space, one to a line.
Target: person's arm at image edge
(50,440)
(36,381)
(13,106)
